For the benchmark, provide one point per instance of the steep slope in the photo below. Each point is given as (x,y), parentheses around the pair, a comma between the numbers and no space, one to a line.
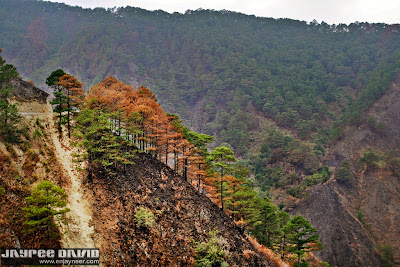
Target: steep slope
(23,165)
(41,155)
(345,240)
(77,230)
(183,216)
(355,220)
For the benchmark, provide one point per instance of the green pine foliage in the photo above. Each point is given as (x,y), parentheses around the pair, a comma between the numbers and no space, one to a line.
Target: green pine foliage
(265,223)
(387,254)
(9,116)
(144,218)
(345,174)
(59,102)
(287,162)
(46,201)
(299,236)
(211,253)
(60,99)
(221,158)
(2,192)
(103,147)
(199,140)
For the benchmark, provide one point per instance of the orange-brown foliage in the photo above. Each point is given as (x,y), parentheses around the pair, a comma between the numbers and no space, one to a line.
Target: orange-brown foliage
(268,253)
(160,133)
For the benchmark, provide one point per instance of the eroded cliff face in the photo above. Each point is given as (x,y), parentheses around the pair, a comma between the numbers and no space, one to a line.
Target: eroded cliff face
(40,155)
(182,217)
(22,166)
(27,92)
(346,241)
(355,220)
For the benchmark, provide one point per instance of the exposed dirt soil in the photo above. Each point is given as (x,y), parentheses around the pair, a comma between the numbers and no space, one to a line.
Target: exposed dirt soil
(77,230)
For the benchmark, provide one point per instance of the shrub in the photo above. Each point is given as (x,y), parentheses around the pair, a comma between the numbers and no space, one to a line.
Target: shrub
(25,132)
(46,201)
(344,174)
(320,177)
(37,133)
(210,253)
(371,159)
(295,191)
(360,215)
(387,254)
(2,191)
(144,218)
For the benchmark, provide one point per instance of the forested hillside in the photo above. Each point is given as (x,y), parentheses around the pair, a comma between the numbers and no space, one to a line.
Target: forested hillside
(219,70)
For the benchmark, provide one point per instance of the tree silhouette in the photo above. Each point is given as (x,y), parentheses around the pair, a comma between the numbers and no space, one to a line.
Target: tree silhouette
(74,93)
(59,98)
(220,158)
(9,116)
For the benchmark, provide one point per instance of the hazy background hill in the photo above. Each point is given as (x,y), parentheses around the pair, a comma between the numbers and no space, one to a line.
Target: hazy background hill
(206,64)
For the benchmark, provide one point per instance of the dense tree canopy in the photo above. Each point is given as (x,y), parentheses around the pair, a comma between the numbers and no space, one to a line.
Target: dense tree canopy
(229,68)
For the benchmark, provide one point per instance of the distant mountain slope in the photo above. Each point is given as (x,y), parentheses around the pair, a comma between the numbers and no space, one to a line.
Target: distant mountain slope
(183,216)
(370,205)
(215,69)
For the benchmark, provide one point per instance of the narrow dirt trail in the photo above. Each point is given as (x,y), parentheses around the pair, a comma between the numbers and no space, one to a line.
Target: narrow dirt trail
(77,230)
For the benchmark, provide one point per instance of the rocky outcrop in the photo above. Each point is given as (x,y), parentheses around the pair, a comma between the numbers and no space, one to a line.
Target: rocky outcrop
(345,239)
(183,217)
(24,91)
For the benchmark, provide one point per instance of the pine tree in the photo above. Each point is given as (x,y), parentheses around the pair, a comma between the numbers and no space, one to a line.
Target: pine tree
(344,174)
(220,158)
(46,201)
(94,130)
(60,99)
(233,186)
(198,140)
(74,92)
(9,116)
(265,223)
(301,236)
(102,145)
(283,218)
